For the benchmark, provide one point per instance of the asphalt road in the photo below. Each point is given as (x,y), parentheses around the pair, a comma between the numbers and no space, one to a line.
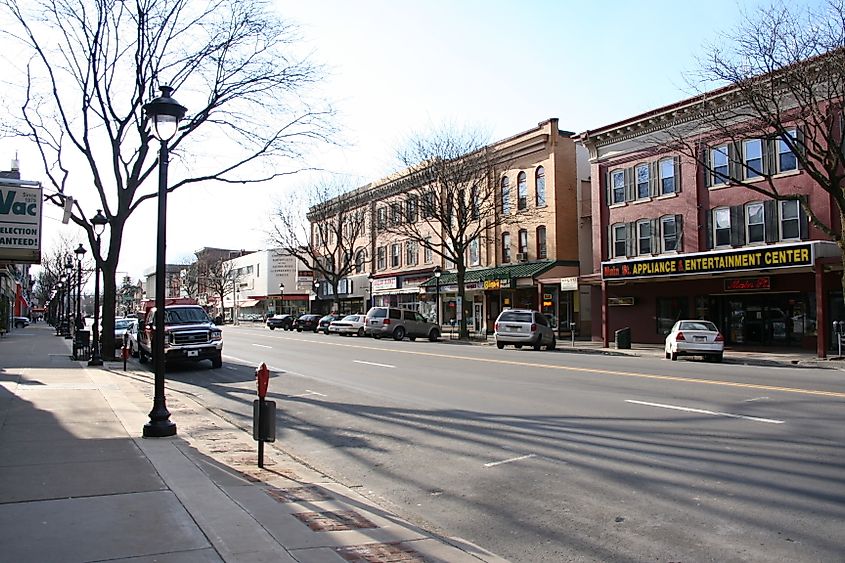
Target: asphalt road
(556,456)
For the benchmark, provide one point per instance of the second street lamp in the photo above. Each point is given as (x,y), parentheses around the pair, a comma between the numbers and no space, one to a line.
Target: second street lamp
(280,309)
(80,254)
(438,271)
(98,222)
(69,273)
(164,113)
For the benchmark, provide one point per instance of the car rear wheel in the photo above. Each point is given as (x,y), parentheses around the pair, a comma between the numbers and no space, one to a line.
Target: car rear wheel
(552,345)
(360,332)
(434,335)
(19,324)
(539,344)
(399,333)
(673,356)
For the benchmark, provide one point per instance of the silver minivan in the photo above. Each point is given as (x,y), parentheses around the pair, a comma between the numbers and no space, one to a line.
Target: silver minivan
(524,327)
(399,323)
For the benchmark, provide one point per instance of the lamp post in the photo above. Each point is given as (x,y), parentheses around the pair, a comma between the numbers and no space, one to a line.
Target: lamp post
(371,300)
(316,293)
(438,271)
(99,223)
(165,113)
(60,300)
(281,298)
(69,314)
(80,254)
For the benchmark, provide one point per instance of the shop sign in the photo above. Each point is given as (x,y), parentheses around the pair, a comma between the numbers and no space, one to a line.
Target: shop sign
(497,284)
(738,260)
(20,223)
(384,283)
(620,301)
(569,284)
(746,284)
(414,282)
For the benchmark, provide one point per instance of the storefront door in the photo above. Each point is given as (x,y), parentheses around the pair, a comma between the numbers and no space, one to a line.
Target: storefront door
(765,320)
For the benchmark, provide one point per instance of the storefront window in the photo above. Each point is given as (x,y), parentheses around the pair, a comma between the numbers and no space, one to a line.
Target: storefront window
(669,311)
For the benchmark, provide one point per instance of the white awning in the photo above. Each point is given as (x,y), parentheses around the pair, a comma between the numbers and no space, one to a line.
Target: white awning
(248,303)
(415,289)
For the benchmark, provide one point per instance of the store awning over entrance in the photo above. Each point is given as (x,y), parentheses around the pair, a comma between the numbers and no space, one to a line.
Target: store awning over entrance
(524,270)
(248,303)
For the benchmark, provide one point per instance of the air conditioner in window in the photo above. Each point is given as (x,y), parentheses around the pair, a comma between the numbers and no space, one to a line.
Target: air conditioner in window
(522,257)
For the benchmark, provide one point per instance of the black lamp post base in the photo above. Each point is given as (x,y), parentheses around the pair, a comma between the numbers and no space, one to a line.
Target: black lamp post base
(159,429)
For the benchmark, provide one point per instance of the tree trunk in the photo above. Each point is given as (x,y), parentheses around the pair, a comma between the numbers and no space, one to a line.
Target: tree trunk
(107,308)
(463,332)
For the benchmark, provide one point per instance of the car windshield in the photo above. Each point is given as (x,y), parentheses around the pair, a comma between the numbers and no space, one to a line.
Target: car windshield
(351,318)
(698,325)
(123,324)
(516,317)
(185,315)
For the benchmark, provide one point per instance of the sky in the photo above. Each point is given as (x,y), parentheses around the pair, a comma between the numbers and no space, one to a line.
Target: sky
(395,68)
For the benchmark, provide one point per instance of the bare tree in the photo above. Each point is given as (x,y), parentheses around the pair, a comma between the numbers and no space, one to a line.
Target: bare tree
(450,202)
(91,66)
(327,236)
(221,280)
(189,277)
(53,268)
(785,73)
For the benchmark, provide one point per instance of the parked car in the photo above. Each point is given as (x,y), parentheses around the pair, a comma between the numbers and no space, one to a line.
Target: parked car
(695,338)
(524,327)
(285,322)
(21,322)
(132,336)
(121,327)
(307,322)
(325,321)
(350,324)
(399,323)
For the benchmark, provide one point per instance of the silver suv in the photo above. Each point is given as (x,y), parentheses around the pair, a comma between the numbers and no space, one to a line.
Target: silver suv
(399,323)
(524,326)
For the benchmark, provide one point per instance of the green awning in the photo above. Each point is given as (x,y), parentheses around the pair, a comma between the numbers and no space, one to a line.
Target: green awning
(511,271)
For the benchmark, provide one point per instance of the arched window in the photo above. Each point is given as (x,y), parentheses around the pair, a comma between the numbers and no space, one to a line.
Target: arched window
(540,186)
(506,196)
(542,253)
(506,248)
(360,260)
(521,191)
(522,242)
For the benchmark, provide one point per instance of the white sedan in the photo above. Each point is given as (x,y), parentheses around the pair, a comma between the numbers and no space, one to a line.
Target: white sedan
(350,324)
(695,338)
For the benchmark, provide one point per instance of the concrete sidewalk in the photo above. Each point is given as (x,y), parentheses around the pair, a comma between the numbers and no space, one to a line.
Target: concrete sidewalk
(78,483)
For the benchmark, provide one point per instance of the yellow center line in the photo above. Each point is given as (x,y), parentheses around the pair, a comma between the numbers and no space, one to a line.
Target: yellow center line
(675,378)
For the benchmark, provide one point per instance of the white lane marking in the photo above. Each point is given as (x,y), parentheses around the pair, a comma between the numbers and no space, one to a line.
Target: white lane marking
(756,399)
(373,364)
(262,346)
(511,460)
(308,394)
(702,411)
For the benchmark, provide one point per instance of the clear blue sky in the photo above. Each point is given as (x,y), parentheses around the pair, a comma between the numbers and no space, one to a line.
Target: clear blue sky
(398,67)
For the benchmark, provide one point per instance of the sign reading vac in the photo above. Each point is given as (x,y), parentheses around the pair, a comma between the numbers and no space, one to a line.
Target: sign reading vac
(20,222)
(750,259)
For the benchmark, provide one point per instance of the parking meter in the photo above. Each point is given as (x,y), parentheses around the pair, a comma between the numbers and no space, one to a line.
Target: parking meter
(263,413)
(262,374)
(572,332)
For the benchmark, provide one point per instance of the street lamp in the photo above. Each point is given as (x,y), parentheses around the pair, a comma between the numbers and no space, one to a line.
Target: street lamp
(69,273)
(438,271)
(282,298)
(316,292)
(60,305)
(80,254)
(98,222)
(164,113)
(370,281)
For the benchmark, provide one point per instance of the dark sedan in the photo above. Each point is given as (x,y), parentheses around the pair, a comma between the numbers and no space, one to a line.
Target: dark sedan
(284,322)
(323,325)
(308,322)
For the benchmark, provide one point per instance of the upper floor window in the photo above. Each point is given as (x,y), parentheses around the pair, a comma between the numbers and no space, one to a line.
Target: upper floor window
(411,252)
(619,240)
(786,158)
(360,261)
(719,164)
(669,233)
(542,253)
(381,257)
(752,158)
(506,196)
(395,214)
(411,209)
(790,223)
(755,223)
(641,172)
(722,226)
(540,186)
(474,254)
(381,218)
(617,186)
(522,241)
(428,205)
(506,248)
(521,191)
(428,253)
(644,237)
(668,182)
(395,256)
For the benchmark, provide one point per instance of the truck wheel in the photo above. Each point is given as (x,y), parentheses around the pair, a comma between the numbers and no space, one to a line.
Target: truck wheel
(434,335)
(399,333)
(217,361)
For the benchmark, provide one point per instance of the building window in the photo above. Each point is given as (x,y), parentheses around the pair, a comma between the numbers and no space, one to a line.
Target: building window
(506,248)
(381,257)
(395,255)
(475,210)
(617,186)
(521,192)
(522,241)
(506,196)
(620,241)
(719,165)
(542,253)
(669,233)
(642,175)
(395,214)
(474,255)
(644,237)
(411,209)
(428,253)
(790,228)
(752,158)
(755,223)
(428,205)
(540,186)
(786,158)
(381,218)
(360,261)
(722,224)
(411,252)
(666,168)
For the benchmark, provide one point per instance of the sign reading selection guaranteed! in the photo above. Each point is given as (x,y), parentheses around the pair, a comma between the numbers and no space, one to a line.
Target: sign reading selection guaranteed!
(739,260)
(20,222)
